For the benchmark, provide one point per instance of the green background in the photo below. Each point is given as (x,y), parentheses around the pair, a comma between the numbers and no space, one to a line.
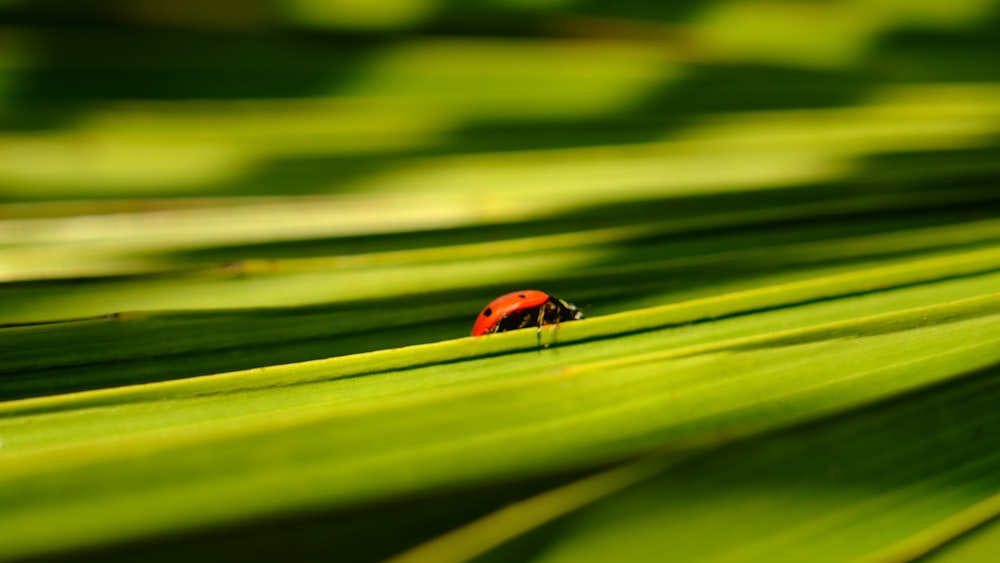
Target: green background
(242,244)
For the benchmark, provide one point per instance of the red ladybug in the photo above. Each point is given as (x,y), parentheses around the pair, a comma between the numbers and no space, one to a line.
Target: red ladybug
(523,309)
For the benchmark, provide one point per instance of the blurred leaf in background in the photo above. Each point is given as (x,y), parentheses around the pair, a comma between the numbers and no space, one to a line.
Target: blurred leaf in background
(242,243)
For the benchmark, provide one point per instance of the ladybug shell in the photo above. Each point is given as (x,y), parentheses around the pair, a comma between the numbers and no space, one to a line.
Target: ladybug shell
(521,309)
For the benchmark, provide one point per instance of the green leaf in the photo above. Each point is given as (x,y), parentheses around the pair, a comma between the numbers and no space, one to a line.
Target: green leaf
(242,247)
(887,483)
(350,446)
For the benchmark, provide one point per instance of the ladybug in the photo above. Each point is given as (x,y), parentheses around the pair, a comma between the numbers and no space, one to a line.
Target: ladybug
(522,309)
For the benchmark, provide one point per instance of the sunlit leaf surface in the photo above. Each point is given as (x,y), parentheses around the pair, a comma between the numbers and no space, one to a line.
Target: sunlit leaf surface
(242,245)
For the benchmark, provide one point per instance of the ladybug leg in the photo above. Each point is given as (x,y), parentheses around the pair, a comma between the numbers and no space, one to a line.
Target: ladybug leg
(541,321)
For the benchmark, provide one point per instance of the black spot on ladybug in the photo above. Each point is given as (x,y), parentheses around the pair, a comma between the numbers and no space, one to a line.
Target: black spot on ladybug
(521,295)
(487,312)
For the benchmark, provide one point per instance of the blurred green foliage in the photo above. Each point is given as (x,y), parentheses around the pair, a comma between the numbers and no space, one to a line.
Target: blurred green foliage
(137,99)
(240,241)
